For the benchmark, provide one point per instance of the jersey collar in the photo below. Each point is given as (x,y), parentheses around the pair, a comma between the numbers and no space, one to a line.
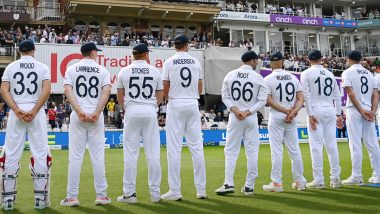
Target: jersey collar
(317,66)
(246,67)
(139,61)
(277,70)
(357,65)
(27,57)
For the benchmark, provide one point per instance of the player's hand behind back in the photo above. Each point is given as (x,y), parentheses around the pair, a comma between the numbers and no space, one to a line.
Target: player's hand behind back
(94,117)
(313,123)
(368,115)
(20,114)
(29,116)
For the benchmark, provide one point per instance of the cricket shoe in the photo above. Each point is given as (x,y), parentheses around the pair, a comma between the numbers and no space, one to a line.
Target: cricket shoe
(8,205)
(353,181)
(300,186)
(155,199)
(374,180)
(315,185)
(70,202)
(247,191)
(335,183)
(127,199)
(170,196)
(201,195)
(102,200)
(225,189)
(40,204)
(273,187)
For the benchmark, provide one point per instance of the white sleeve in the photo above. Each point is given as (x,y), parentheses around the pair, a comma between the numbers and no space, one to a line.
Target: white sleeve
(346,80)
(6,77)
(68,80)
(306,93)
(262,97)
(226,97)
(159,81)
(119,82)
(200,71)
(165,73)
(337,98)
(46,73)
(106,78)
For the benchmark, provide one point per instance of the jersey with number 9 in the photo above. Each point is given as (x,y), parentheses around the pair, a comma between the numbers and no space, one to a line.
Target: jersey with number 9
(183,72)
(87,79)
(25,77)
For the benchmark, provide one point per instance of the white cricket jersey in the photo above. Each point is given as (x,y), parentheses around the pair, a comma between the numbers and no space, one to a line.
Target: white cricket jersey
(283,87)
(183,72)
(140,82)
(25,77)
(244,89)
(320,89)
(88,79)
(362,82)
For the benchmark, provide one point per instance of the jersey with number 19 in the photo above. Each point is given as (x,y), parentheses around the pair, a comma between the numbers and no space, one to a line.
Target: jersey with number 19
(87,78)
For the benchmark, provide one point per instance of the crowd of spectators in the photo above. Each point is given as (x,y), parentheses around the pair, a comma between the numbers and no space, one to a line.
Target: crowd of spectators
(370,14)
(241,6)
(286,10)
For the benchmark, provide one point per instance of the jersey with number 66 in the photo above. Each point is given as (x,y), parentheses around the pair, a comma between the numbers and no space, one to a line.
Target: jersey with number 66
(244,88)
(183,72)
(140,81)
(87,79)
(25,77)
(362,82)
(282,86)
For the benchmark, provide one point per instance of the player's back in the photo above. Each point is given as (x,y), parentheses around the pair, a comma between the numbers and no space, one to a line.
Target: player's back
(362,82)
(183,71)
(88,79)
(282,86)
(25,77)
(321,85)
(140,80)
(243,87)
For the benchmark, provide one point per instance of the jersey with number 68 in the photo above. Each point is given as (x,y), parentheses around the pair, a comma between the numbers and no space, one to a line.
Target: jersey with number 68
(282,86)
(25,77)
(87,79)
(362,82)
(244,89)
(183,72)
(140,82)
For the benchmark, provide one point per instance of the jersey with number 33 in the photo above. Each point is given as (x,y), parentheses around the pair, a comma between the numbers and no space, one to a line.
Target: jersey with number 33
(183,72)
(282,86)
(25,77)
(88,79)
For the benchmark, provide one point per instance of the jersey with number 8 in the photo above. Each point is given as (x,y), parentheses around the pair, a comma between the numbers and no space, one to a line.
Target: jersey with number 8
(87,78)
(282,86)
(25,77)
(183,71)
(362,82)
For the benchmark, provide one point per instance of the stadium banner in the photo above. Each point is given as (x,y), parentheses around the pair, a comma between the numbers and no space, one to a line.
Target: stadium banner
(299,20)
(114,139)
(59,57)
(340,23)
(369,23)
(242,16)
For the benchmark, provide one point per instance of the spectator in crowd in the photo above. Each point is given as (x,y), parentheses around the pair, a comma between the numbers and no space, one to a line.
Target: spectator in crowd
(204,117)
(376,62)
(67,109)
(52,115)
(111,110)
(342,131)
(211,114)
(2,115)
(219,117)
(60,115)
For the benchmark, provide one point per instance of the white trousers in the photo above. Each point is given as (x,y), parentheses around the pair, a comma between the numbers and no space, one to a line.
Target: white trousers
(183,119)
(141,125)
(92,135)
(325,135)
(358,128)
(248,131)
(14,145)
(284,133)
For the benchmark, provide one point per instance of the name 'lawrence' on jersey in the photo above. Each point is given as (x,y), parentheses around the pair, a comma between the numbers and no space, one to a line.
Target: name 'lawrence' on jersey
(183,72)
(140,81)
(243,88)
(283,87)
(25,77)
(88,79)
(362,82)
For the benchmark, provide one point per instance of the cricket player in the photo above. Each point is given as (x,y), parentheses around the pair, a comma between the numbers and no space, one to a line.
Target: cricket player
(362,103)
(139,86)
(285,98)
(87,87)
(243,93)
(25,88)
(182,81)
(323,105)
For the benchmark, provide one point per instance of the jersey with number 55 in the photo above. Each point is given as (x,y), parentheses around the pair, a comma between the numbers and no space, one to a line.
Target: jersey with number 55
(244,88)
(362,82)
(87,79)
(25,77)
(183,72)
(282,86)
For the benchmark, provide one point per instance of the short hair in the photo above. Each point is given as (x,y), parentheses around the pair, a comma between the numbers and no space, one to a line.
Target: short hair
(140,56)
(86,53)
(180,46)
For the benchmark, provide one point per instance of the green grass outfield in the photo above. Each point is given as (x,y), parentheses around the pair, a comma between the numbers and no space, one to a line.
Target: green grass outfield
(344,200)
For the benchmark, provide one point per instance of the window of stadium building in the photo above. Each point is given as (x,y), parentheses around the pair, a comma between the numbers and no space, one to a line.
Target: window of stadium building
(93,26)
(155,30)
(112,27)
(168,31)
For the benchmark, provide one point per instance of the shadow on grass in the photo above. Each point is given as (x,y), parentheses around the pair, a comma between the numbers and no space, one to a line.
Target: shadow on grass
(109,208)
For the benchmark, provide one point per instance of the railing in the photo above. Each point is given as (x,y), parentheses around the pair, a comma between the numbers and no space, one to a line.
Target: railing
(7,51)
(47,11)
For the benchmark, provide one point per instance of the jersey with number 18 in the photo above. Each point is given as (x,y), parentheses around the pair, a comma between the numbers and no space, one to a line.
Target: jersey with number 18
(87,78)
(183,72)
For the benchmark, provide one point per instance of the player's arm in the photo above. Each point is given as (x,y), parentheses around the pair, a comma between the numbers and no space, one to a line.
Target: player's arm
(7,97)
(375,100)
(200,86)
(120,96)
(297,106)
(276,106)
(68,90)
(159,96)
(306,93)
(46,88)
(166,85)
(338,105)
(166,81)
(226,99)
(355,102)
(262,97)
(102,103)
